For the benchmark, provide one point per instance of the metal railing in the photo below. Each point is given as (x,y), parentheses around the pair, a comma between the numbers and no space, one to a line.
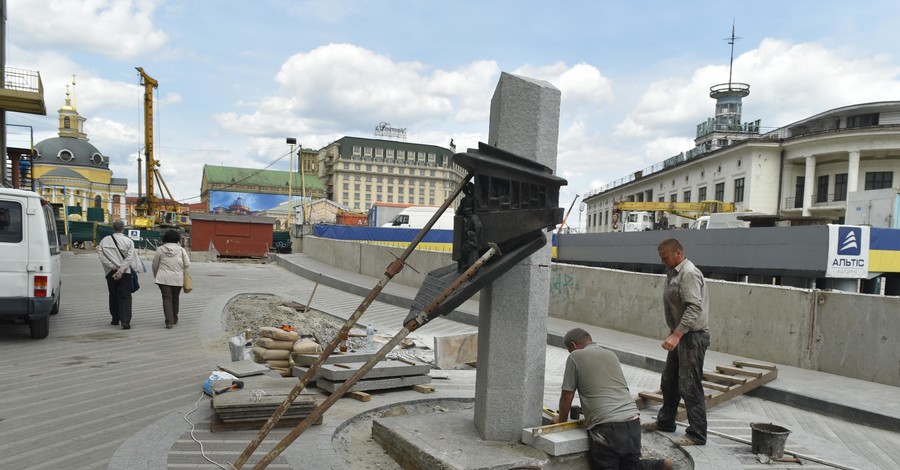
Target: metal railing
(823,199)
(21,80)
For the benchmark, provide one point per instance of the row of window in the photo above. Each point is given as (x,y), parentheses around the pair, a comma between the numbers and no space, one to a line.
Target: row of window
(390,189)
(390,154)
(400,181)
(874,180)
(390,199)
(390,169)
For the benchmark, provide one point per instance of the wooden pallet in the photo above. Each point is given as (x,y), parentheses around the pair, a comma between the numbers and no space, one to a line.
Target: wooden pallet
(720,386)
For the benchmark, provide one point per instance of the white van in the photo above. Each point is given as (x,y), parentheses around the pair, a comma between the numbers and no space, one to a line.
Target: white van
(417,217)
(29,261)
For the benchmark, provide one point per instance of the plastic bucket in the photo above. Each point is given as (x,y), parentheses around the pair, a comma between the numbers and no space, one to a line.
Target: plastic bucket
(768,439)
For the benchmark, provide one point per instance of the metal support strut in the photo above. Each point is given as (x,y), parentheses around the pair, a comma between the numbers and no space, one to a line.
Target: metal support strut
(395,267)
(409,327)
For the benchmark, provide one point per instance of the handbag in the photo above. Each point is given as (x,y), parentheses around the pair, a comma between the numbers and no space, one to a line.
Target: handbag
(135,285)
(188,284)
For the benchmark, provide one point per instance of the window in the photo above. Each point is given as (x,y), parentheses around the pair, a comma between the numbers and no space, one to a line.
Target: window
(662,199)
(369,168)
(863,120)
(357,150)
(739,190)
(368,151)
(673,198)
(412,190)
(390,198)
(879,179)
(379,168)
(346,197)
(687,196)
(390,154)
(368,188)
(701,194)
(400,199)
(11,222)
(378,189)
(720,191)
(346,186)
(356,166)
(822,189)
(379,152)
(431,201)
(421,191)
(346,166)
(840,187)
(798,192)
(356,186)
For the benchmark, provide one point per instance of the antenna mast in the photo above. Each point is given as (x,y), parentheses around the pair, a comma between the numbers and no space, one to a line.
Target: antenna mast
(731,41)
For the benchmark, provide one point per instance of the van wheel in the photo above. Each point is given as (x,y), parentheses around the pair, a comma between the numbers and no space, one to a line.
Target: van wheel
(40,328)
(55,309)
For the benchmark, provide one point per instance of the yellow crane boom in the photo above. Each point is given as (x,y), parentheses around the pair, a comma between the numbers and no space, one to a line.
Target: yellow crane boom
(690,210)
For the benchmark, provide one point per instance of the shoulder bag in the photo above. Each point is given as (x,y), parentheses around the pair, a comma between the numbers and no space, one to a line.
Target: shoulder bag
(188,282)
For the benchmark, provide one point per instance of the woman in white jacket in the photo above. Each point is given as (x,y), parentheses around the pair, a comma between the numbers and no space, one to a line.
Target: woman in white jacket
(169,264)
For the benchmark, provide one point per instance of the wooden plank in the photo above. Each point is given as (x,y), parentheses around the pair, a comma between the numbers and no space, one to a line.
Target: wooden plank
(755,365)
(361,396)
(714,377)
(655,396)
(738,371)
(217,425)
(421,388)
(715,386)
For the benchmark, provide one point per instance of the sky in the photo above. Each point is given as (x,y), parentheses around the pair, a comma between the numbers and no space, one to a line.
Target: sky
(236,78)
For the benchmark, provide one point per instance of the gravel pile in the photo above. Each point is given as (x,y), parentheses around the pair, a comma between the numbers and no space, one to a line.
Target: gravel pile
(257,310)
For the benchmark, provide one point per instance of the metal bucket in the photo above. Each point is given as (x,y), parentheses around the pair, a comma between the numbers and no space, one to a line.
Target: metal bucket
(768,439)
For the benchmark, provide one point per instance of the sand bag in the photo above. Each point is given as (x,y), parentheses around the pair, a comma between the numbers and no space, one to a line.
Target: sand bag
(267,354)
(270,343)
(278,333)
(307,346)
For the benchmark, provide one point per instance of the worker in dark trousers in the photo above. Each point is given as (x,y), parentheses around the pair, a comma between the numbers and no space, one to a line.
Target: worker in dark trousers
(613,422)
(686,307)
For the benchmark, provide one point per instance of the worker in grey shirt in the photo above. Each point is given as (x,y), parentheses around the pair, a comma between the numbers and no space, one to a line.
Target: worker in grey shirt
(611,417)
(686,307)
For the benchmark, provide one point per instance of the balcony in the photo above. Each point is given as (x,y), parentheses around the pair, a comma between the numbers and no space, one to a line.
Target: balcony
(22,91)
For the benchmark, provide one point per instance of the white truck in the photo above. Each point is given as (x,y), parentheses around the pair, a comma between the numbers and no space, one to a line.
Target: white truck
(418,216)
(723,220)
(30,267)
(876,208)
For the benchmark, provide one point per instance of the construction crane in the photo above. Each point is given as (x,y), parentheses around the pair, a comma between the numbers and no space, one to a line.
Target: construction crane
(149,213)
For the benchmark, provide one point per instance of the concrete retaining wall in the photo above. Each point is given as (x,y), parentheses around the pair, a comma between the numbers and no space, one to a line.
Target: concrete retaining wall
(853,335)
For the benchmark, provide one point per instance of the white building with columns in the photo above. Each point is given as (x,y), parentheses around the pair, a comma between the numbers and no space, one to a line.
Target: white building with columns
(802,171)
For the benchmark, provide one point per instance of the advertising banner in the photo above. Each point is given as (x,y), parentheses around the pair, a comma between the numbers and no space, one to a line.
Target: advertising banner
(848,251)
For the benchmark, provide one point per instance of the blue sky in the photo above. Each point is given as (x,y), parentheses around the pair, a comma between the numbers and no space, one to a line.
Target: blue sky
(237,77)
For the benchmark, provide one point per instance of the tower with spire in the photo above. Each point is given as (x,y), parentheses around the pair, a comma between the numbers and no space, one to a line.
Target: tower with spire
(71,124)
(725,128)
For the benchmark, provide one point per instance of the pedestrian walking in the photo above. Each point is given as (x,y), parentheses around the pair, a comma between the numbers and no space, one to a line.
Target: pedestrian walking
(169,265)
(117,256)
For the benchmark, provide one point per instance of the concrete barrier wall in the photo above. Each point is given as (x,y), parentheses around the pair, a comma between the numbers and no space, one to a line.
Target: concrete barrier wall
(858,335)
(854,335)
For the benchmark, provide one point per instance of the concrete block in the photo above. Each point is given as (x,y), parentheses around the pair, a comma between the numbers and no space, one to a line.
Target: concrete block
(375,384)
(568,442)
(525,118)
(383,369)
(453,350)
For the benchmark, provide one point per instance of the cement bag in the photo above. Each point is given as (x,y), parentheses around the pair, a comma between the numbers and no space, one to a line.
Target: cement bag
(307,346)
(279,363)
(216,375)
(278,333)
(283,372)
(267,354)
(240,348)
(270,343)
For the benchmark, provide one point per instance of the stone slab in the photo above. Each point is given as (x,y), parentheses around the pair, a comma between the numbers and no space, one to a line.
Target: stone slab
(383,369)
(454,350)
(558,443)
(376,384)
(450,441)
(243,368)
(335,358)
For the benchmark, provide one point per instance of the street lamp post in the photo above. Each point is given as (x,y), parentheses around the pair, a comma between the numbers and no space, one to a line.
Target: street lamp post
(302,184)
(290,141)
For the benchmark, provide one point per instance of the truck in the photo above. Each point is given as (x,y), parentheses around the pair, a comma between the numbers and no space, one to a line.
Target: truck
(383,212)
(418,216)
(876,208)
(732,220)
(30,266)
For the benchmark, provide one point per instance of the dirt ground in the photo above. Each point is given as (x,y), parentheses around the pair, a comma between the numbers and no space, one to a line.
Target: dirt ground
(354,442)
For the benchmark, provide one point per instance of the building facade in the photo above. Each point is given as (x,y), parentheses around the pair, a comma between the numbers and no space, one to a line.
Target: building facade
(802,172)
(358,172)
(71,171)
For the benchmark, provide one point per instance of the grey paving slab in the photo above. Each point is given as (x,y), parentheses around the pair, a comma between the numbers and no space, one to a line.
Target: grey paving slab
(126,393)
(367,385)
(383,369)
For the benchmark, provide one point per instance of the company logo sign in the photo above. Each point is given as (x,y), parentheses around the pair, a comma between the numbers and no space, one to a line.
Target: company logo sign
(848,252)
(849,241)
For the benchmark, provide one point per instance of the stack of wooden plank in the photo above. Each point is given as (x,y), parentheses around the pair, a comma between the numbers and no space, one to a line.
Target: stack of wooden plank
(385,375)
(251,406)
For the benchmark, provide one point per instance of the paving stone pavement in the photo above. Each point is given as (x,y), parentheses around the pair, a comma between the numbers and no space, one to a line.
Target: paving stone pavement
(95,396)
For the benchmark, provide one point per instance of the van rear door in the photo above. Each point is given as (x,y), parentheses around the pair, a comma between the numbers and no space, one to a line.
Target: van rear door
(13,248)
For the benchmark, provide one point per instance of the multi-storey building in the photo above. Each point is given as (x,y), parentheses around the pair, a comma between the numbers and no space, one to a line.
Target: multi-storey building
(358,172)
(802,171)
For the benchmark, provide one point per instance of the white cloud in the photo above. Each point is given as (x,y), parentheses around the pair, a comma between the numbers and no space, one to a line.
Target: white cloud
(581,85)
(116,28)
